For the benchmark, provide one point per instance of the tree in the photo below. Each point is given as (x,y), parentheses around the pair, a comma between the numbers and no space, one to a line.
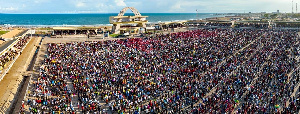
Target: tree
(266,15)
(273,16)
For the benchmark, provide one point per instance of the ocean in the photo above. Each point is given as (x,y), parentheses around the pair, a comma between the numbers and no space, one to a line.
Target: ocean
(89,19)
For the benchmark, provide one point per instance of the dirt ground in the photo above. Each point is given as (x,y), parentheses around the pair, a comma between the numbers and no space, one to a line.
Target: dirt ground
(12,33)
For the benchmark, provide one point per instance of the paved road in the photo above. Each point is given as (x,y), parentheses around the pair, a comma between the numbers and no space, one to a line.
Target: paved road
(6,44)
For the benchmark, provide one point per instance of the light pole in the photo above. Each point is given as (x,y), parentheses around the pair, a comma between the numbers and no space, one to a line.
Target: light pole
(31,32)
(103,34)
(197,14)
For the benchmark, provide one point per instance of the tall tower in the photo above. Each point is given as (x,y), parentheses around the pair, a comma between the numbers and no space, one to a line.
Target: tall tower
(296,8)
(197,14)
(292,6)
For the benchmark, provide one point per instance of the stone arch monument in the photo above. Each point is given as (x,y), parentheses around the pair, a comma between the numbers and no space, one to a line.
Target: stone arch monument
(128,24)
(135,11)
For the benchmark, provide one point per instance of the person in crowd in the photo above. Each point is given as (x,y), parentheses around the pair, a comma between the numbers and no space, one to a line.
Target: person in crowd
(198,71)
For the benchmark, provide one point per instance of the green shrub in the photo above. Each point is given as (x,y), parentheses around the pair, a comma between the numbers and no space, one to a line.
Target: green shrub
(3,32)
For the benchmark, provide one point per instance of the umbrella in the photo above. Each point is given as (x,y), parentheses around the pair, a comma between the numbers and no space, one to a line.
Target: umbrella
(53,61)
(236,101)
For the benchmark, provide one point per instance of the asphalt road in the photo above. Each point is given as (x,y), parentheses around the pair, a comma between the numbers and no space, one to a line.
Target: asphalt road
(6,44)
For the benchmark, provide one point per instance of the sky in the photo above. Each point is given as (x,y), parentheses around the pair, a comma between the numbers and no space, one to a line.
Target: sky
(146,6)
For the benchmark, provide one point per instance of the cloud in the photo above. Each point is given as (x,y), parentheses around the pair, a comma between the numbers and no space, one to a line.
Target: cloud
(9,9)
(80,4)
(40,1)
(178,6)
(120,2)
(146,6)
(103,8)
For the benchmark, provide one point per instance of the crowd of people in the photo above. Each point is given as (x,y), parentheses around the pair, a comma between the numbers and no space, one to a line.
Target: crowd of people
(274,86)
(199,71)
(253,25)
(228,24)
(13,52)
(287,25)
(75,32)
(254,82)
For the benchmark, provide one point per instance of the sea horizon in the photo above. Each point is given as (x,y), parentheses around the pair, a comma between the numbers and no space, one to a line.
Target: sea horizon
(125,13)
(91,19)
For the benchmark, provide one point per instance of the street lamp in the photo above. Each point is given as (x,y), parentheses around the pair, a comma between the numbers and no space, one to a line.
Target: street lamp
(30,31)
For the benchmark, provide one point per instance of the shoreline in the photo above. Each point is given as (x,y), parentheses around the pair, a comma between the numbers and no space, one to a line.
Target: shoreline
(153,18)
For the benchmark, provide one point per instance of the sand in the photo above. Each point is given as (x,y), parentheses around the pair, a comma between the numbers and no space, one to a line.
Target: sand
(1,42)
(12,33)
